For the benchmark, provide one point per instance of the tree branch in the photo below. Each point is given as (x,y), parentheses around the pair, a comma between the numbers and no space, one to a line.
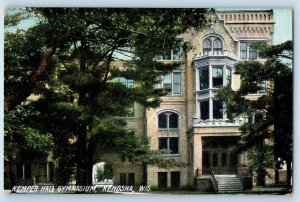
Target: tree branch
(20,96)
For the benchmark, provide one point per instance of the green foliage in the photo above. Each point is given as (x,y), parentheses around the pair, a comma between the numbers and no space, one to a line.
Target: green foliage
(104,172)
(260,159)
(79,107)
(276,104)
(23,139)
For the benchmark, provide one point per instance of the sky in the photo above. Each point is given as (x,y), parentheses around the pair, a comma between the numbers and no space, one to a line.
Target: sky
(283,27)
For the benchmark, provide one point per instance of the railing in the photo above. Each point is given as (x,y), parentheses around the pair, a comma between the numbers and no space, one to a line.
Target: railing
(217,122)
(211,53)
(214,180)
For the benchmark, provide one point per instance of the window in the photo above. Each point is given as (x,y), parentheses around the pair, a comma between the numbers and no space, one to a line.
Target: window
(243,50)
(204,78)
(204,110)
(217,109)
(169,143)
(255,117)
(172,83)
(212,44)
(24,171)
(168,120)
(126,82)
(262,88)
(122,178)
(247,52)
(131,179)
(123,157)
(217,47)
(175,179)
(206,47)
(252,54)
(162,179)
(228,77)
(217,77)
(171,54)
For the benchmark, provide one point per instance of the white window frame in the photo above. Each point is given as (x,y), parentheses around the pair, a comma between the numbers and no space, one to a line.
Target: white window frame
(171,93)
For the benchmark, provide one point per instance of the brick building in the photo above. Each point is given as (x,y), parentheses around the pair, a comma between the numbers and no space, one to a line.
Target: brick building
(190,121)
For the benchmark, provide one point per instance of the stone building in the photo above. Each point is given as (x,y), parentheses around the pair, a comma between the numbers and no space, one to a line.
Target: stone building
(190,121)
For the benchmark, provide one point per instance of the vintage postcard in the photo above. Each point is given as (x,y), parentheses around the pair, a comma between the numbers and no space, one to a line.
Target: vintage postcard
(148,100)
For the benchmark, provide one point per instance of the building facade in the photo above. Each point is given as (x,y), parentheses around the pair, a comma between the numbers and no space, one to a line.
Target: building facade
(191,122)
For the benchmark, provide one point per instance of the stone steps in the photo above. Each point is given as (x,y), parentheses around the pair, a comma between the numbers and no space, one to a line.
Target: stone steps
(229,184)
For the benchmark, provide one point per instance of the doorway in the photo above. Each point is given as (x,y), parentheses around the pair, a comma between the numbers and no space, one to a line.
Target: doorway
(217,155)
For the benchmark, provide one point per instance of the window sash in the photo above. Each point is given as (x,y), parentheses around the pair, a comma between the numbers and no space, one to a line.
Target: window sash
(173,120)
(217,109)
(173,145)
(204,78)
(217,77)
(243,50)
(162,121)
(163,143)
(162,179)
(228,77)
(204,110)
(177,83)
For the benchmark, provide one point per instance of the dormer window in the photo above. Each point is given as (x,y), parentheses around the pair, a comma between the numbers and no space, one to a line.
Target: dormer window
(217,47)
(212,44)
(206,46)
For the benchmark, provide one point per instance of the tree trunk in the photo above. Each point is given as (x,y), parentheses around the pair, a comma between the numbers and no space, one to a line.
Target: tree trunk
(11,175)
(81,174)
(11,101)
(276,130)
(89,173)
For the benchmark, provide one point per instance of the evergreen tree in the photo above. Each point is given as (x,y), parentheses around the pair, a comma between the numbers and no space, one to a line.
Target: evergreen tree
(79,101)
(276,105)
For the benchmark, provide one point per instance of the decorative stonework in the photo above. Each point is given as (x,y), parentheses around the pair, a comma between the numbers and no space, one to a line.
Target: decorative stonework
(246,16)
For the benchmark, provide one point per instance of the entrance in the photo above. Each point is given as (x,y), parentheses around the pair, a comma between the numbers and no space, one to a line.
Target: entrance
(217,155)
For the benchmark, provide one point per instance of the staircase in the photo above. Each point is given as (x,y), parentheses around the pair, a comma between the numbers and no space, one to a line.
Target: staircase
(228,184)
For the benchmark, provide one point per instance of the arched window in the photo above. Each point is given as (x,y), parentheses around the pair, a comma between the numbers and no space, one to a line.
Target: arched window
(168,120)
(255,117)
(217,47)
(206,46)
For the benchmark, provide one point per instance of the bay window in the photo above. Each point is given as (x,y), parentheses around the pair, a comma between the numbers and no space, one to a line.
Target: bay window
(228,77)
(217,109)
(204,110)
(217,77)
(204,78)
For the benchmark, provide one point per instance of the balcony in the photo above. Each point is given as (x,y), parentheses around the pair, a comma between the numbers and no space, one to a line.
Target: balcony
(224,53)
(216,122)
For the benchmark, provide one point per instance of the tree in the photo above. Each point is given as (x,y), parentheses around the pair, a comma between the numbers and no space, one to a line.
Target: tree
(276,105)
(79,101)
